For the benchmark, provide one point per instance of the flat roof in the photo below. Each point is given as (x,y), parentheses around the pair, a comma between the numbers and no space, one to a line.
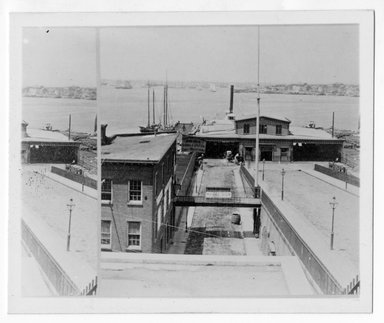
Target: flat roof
(46,136)
(297,133)
(151,275)
(148,148)
(253,116)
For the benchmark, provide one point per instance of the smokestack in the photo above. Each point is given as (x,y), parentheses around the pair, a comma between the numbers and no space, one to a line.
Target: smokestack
(24,126)
(103,134)
(231,102)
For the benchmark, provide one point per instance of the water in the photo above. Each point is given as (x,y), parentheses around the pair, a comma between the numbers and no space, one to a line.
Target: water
(40,111)
(126,110)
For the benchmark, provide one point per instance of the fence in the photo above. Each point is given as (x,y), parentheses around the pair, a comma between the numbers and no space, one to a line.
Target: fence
(350,179)
(186,179)
(62,283)
(248,177)
(314,266)
(90,182)
(320,274)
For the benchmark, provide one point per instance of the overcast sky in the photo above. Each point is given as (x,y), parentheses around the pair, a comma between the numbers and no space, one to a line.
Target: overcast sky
(311,53)
(289,54)
(59,57)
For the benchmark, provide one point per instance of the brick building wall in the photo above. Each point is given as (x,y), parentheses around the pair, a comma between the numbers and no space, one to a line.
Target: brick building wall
(157,190)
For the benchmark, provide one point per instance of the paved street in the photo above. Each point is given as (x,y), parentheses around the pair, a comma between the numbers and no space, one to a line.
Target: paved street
(211,231)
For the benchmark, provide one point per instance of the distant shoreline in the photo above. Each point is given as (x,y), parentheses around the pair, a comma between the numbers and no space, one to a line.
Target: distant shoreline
(71,92)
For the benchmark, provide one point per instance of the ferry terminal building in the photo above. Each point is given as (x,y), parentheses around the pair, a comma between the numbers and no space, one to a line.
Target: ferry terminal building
(278,141)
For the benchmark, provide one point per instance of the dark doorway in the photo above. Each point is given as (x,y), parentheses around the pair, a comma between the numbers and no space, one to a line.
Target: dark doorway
(218,149)
(266,152)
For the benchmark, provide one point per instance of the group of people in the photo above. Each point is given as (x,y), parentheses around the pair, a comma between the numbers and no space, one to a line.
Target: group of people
(237,159)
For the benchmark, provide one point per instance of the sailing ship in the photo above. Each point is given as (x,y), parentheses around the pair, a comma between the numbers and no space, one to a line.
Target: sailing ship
(164,125)
(212,87)
(123,85)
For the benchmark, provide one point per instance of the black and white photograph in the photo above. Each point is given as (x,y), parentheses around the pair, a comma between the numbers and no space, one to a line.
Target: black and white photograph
(175,162)
(192,193)
(58,175)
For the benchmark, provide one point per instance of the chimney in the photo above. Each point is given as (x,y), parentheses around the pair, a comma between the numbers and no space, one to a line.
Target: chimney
(24,126)
(103,135)
(231,102)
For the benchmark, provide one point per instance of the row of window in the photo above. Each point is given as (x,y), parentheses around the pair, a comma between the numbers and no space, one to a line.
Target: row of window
(133,238)
(135,192)
(262,129)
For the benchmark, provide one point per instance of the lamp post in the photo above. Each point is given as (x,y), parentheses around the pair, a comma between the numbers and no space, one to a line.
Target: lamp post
(282,183)
(70,207)
(263,168)
(333,205)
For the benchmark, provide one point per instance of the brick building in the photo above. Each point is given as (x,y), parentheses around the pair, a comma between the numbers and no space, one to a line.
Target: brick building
(138,174)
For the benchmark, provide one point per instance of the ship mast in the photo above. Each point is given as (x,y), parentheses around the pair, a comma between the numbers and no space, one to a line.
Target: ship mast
(148,104)
(257,187)
(153,105)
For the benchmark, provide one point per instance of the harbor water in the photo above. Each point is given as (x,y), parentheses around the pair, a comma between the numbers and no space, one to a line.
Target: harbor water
(126,110)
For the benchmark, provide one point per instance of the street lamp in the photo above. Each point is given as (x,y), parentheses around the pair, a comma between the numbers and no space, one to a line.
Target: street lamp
(282,183)
(333,205)
(70,207)
(263,168)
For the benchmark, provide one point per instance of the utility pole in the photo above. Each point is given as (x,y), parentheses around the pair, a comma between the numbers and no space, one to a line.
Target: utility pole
(333,124)
(283,172)
(69,128)
(70,207)
(257,187)
(149,95)
(333,204)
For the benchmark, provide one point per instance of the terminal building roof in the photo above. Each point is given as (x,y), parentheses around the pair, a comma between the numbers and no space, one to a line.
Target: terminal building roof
(144,149)
(296,133)
(253,116)
(40,135)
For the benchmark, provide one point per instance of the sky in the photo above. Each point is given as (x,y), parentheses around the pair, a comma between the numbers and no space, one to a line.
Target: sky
(59,57)
(288,54)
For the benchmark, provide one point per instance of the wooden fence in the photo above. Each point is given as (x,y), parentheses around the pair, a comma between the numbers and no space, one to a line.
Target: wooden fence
(87,181)
(350,179)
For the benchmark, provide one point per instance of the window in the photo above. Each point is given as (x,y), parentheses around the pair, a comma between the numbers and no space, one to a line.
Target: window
(159,217)
(106,190)
(105,234)
(134,191)
(134,235)
(166,201)
(246,128)
(278,129)
(263,128)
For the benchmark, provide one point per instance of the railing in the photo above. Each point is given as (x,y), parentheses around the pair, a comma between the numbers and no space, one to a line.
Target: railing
(62,283)
(87,181)
(321,275)
(353,287)
(64,286)
(248,177)
(204,201)
(186,180)
(350,179)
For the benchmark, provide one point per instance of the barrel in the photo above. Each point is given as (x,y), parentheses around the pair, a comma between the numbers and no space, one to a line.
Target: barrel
(236,218)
